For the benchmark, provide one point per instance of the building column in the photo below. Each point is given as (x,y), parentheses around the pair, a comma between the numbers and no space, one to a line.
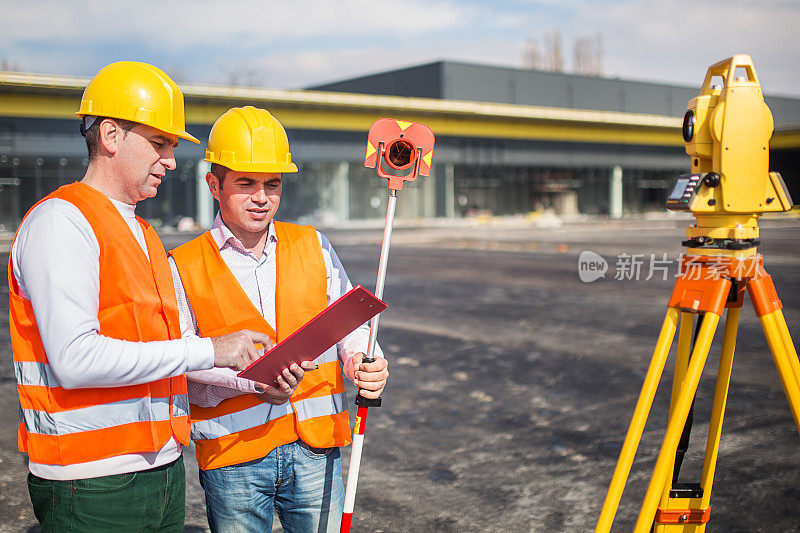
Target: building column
(449,191)
(205,202)
(615,193)
(341,192)
(429,195)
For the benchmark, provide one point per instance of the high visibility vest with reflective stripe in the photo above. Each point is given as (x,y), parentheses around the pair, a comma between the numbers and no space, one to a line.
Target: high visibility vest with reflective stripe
(245,428)
(136,303)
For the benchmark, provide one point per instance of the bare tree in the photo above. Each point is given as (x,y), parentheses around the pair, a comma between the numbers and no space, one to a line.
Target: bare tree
(532,55)
(554,59)
(581,62)
(548,57)
(10,65)
(600,54)
(588,55)
(242,77)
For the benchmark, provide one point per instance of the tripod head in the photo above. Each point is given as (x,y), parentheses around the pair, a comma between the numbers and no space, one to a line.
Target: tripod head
(727,129)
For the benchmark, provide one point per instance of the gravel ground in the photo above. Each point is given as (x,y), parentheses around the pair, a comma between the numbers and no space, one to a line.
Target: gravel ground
(513,383)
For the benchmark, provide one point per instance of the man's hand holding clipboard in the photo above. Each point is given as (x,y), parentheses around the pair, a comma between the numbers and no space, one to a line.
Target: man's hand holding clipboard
(300,348)
(284,385)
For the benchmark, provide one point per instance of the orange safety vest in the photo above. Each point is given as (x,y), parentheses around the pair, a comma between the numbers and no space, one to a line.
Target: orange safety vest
(245,428)
(137,303)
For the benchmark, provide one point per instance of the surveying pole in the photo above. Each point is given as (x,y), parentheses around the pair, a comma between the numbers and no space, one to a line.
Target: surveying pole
(406,148)
(727,130)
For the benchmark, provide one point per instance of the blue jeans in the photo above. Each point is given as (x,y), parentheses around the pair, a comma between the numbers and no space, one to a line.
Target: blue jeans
(303,485)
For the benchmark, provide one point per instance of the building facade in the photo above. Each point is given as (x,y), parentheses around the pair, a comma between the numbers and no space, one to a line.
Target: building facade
(507,142)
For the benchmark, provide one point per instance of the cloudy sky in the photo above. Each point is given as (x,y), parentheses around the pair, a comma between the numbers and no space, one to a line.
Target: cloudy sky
(292,44)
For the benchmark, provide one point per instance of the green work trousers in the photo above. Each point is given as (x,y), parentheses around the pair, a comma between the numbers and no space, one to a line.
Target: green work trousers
(150,500)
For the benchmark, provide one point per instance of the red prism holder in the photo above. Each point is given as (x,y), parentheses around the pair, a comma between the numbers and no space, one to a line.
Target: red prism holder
(401,145)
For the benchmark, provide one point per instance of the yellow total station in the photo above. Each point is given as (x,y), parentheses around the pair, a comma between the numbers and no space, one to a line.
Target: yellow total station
(727,129)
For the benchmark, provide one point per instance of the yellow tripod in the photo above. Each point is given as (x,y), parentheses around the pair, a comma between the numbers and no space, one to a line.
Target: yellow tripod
(726,128)
(708,284)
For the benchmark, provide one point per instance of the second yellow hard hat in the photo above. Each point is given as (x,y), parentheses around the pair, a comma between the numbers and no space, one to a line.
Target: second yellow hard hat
(248,139)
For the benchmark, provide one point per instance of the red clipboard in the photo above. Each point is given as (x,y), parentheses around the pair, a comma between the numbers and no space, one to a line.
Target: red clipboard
(330,326)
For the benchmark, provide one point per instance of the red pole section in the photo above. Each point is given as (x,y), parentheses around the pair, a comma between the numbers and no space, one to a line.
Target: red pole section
(358,443)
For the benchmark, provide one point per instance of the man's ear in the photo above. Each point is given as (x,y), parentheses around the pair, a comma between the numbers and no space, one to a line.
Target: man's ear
(110,135)
(213,185)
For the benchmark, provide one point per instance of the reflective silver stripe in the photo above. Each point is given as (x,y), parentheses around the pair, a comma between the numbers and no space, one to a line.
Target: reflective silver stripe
(180,405)
(97,416)
(39,422)
(328,356)
(239,421)
(36,374)
(220,426)
(322,406)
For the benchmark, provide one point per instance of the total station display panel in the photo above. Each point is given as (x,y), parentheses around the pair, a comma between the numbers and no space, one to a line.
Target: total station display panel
(684,190)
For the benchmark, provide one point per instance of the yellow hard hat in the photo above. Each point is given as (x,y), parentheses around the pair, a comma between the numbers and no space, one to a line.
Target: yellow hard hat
(138,92)
(248,139)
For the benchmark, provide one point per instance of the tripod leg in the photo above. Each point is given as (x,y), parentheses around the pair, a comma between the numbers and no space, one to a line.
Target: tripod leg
(676,423)
(788,344)
(681,364)
(768,308)
(720,402)
(781,357)
(636,427)
(686,507)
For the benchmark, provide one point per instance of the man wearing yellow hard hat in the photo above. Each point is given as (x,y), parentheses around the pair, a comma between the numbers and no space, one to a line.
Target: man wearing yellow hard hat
(98,354)
(277,449)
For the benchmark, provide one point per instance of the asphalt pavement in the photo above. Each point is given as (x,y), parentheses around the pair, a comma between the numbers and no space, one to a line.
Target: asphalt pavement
(513,381)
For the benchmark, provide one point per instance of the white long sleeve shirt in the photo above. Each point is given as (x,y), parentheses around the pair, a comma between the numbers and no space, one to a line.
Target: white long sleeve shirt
(55,261)
(257,277)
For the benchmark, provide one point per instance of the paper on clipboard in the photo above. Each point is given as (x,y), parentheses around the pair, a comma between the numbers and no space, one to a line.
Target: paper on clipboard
(327,328)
